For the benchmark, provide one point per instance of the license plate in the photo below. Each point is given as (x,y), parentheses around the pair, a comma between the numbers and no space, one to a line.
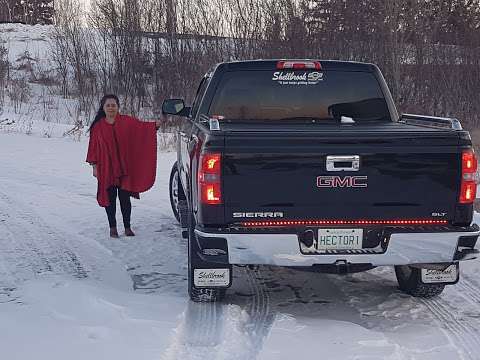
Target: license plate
(339,239)
(449,275)
(211,277)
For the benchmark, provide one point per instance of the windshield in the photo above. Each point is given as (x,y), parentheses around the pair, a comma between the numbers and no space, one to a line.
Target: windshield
(299,95)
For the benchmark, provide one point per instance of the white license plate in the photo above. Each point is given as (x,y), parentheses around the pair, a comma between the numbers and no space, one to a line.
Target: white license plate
(339,239)
(211,277)
(449,275)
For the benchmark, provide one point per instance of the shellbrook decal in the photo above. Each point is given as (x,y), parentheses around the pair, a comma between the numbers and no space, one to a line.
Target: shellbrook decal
(292,78)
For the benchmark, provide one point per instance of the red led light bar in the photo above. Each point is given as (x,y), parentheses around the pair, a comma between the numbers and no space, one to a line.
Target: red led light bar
(342,222)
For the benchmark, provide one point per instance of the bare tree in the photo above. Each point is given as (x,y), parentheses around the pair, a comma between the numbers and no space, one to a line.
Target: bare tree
(4,66)
(149,50)
(27,11)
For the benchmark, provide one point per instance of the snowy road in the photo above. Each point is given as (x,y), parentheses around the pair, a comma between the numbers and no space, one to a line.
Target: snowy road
(69,291)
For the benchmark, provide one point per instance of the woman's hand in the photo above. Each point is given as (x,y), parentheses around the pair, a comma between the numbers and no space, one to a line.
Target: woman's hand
(158,123)
(95,170)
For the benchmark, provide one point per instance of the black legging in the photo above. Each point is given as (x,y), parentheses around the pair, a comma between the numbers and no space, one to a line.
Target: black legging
(125,206)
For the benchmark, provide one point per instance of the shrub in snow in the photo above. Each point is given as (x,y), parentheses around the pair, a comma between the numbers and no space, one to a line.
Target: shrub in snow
(18,93)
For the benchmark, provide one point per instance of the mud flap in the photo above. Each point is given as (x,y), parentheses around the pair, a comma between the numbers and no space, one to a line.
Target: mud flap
(448,276)
(212,278)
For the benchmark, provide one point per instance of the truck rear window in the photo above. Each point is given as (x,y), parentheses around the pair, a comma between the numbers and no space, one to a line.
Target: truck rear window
(299,95)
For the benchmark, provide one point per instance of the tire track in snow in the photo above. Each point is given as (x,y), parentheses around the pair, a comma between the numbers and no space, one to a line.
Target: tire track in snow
(18,260)
(7,281)
(248,323)
(461,332)
(33,244)
(203,324)
(16,244)
(459,329)
(198,334)
(259,310)
(225,331)
(469,290)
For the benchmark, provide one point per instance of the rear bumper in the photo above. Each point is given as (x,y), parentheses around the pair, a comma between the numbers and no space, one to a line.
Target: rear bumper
(283,249)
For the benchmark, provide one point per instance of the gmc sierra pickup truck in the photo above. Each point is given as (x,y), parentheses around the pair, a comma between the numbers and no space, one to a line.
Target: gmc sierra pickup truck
(307,164)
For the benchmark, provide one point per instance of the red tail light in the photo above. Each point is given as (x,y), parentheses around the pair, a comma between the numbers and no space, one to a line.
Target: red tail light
(299,65)
(468,187)
(209,179)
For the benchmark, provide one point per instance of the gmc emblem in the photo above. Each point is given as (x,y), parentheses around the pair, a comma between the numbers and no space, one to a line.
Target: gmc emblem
(342,181)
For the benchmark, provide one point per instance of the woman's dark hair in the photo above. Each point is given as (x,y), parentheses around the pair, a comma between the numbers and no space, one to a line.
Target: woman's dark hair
(101,113)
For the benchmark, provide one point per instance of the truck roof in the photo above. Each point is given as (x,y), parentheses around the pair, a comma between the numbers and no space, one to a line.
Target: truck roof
(272,64)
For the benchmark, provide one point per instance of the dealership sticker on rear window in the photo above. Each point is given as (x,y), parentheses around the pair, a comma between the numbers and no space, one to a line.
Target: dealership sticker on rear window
(292,78)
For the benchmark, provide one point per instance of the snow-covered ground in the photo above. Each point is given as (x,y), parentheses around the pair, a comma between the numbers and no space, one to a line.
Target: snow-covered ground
(31,39)
(68,291)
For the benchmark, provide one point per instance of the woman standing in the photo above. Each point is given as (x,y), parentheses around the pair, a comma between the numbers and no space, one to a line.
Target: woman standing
(123,153)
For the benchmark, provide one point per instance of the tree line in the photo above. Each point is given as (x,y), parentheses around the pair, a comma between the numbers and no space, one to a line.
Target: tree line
(148,50)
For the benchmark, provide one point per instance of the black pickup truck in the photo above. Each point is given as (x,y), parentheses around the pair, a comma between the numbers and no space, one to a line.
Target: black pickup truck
(307,164)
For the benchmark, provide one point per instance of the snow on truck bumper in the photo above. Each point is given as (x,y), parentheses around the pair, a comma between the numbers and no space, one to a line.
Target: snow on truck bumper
(284,249)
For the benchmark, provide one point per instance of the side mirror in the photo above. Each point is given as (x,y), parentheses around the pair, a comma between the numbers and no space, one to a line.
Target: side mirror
(173,107)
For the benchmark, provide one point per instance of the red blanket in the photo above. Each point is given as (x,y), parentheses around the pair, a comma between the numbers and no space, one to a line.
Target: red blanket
(125,154)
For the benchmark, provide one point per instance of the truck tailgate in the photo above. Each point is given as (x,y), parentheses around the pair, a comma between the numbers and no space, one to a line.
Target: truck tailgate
(404,172)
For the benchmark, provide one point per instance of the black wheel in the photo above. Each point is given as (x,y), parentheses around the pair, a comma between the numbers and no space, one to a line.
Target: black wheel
(203,294)
(175,191)
(410,281)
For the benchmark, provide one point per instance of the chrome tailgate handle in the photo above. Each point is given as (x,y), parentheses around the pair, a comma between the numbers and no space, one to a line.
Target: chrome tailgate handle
(343,163)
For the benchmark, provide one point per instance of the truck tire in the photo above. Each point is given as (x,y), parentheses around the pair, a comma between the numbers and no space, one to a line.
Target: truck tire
(203,294)
(410,281)
(176,191)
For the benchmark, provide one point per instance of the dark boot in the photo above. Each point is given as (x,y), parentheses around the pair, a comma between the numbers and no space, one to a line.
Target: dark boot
(113,232)
(129,232)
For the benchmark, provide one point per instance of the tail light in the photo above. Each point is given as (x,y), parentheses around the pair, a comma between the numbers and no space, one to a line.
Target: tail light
(299,65)
(468,187)
(209,179)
